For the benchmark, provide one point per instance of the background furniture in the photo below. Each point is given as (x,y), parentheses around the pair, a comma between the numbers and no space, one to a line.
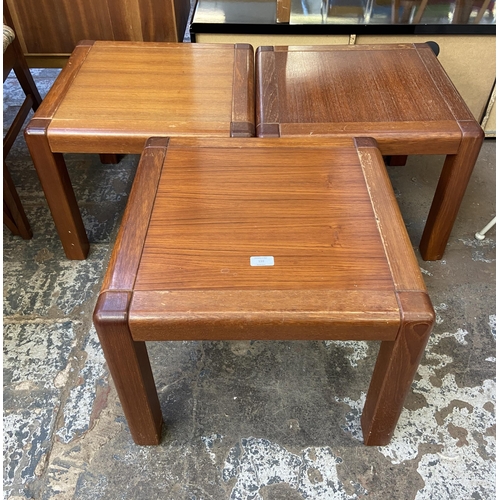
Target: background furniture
(14,216)
(398,94)
(115,95)
(237,239)
(49,31)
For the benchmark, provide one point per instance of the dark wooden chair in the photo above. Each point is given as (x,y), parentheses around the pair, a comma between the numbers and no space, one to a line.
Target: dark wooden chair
(14,216)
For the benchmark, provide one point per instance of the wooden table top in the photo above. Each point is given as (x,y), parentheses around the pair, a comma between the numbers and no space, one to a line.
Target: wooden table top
(388,92)
(300,207)
(121,93)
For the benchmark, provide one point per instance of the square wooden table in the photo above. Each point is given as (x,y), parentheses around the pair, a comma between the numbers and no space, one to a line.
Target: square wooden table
(113,96)
(398,94)
(266,239)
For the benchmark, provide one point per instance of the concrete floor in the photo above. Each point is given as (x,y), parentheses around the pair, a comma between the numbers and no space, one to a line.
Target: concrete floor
(244,420)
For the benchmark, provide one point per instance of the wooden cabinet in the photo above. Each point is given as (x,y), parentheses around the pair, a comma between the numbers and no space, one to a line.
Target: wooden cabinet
(49,30)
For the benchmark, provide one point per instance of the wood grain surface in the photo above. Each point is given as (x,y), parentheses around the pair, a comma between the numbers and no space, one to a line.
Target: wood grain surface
(304,202)
(243,100)
(450,190)
(64,81)
(127,92)
(127,251)
(350,85)
(400,255)
(54,27)
(217,207)
(56,185)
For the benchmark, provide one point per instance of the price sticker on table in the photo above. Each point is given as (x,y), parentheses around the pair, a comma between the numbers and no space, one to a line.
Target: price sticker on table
(259,261)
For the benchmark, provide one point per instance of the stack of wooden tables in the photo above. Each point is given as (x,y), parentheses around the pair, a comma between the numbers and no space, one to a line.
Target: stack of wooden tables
(287,236)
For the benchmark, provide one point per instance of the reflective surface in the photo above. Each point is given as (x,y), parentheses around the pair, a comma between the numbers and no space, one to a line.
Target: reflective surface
(341,12)
(393,11)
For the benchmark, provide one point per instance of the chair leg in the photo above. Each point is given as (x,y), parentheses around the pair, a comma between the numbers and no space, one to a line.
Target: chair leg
(14,217)
(8,220)
(24,76)
(17,125)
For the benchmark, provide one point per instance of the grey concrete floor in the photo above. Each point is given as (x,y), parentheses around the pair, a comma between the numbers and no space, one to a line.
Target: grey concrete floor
(244,420)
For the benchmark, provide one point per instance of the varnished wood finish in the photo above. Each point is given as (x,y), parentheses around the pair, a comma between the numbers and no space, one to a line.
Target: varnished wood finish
(220,204)
(56,184)
(54,27)
(399,251)
(398,94)
(323,208)
(396,365)
(243,99)
(113,96)
(450,190)
(62,84)
(51,168)
(128,359)
(128,363)
(122,269)
(183,89)
(398,360)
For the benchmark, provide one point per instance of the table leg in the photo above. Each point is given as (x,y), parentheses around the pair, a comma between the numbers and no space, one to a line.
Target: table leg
(110,159)
(58,190)
(450,190)
(396,160)
(128,362)
(396,365)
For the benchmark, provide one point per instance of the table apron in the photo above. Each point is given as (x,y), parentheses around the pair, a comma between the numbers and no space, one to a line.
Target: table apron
(115,142)
(392,138)
(201,328)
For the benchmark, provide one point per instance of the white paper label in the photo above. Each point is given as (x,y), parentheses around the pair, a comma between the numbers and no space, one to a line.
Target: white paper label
(262,261)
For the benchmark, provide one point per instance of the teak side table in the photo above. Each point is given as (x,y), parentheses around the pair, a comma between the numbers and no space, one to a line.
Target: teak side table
(113,96)
(398,94)
(265,239)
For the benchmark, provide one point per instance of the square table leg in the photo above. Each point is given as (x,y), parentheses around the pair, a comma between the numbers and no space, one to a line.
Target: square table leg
(450,191)
(56,184)
(128,362)
(396,365)
(50,166)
